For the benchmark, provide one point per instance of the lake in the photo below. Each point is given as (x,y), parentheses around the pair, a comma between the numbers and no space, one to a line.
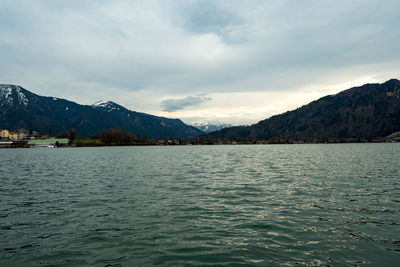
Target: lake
(255,205)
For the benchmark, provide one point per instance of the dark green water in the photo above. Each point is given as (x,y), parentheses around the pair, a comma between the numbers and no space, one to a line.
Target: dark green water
(276,205)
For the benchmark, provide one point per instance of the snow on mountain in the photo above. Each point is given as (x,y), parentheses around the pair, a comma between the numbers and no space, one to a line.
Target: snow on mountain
(209,127)
(20,108)
(5,91)
(107,106)
(10,93)
(101,103)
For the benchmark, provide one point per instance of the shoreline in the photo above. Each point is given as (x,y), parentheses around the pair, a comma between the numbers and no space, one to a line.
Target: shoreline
(74,145)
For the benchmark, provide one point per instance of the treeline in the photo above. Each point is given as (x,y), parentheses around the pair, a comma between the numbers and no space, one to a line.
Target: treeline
(282,140)
(71,135)
(111,137)
(115,137)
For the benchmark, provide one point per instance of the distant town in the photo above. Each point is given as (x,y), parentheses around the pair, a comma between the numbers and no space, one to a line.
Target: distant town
(25,138)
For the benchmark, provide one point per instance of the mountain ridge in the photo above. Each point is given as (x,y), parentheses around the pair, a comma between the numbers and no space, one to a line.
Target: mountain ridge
(20,108)
(367,111)
(209,127)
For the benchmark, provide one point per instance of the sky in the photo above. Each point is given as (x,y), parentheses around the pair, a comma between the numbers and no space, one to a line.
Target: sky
(235,62)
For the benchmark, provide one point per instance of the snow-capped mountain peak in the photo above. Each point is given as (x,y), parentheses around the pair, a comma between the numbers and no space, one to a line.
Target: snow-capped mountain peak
(107,106)
(11,93)
(209,127)
(101,103)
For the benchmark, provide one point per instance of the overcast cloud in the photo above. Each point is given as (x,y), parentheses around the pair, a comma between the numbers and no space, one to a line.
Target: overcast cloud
(170,104)
(159,56)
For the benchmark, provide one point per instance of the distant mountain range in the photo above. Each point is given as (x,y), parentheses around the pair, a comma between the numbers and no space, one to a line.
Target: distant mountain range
(369,111)
(20,108)
(209,127)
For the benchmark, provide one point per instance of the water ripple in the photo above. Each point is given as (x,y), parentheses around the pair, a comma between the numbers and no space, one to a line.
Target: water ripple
(277,205)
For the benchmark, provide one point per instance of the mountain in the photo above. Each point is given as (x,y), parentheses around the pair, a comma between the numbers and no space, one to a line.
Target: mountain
(20,108)
(367,112)
(209,127)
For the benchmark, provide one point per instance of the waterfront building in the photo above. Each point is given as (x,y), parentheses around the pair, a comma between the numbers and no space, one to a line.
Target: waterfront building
(4,133)
(15,135)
